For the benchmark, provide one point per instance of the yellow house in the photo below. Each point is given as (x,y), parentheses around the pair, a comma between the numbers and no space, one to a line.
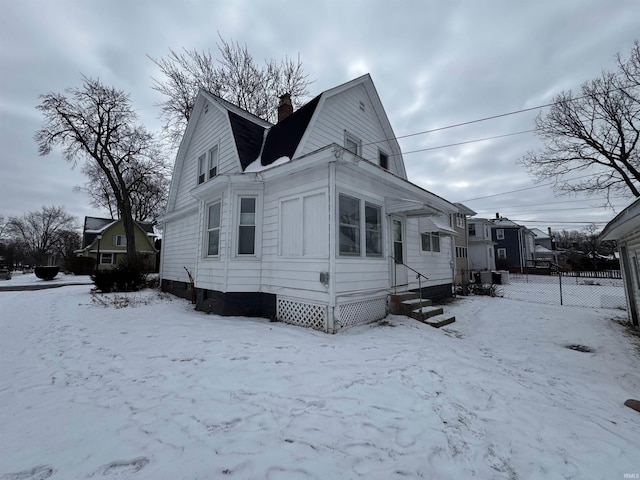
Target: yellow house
(104,239)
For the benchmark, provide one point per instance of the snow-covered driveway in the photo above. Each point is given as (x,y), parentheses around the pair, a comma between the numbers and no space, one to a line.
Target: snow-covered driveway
(156,391)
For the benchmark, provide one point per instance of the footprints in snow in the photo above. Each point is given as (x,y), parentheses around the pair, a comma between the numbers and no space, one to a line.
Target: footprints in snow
(115,469)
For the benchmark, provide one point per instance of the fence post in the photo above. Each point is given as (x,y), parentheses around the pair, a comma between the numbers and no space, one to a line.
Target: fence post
(560,282)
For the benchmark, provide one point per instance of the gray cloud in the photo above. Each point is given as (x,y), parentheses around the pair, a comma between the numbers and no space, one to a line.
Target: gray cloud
(434,64)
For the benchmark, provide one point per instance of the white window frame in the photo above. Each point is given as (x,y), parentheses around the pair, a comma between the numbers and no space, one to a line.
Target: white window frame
(202,172)
(431,236)
(209,228)
(384,154)
(460,220)
(104,255)
(472,226)
(240,224)
(500,233)
(364,230)
(501,253)
(213,156)
(117,240)
(350,138)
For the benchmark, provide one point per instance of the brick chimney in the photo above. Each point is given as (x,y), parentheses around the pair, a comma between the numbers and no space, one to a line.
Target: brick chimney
(285,108)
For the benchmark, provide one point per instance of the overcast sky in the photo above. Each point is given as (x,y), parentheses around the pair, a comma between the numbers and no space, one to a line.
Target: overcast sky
(434,63)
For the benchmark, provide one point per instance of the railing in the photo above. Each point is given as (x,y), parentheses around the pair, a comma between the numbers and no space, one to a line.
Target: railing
(418,277)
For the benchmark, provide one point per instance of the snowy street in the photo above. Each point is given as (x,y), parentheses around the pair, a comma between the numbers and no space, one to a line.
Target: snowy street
(154,390)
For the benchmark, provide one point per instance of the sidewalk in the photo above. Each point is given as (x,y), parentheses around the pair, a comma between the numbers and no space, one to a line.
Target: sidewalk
(20,281)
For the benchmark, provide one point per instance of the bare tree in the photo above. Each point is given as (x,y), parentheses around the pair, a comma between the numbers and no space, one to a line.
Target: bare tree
(148,194)
(42,230)
(236,77)
(591,140)
(96,124)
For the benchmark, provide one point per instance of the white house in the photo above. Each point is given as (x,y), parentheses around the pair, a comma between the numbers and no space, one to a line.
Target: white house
(481,246)
(625,230)
(311,221)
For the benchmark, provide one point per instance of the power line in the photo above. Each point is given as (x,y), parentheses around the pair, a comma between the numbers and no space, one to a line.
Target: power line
(468,141)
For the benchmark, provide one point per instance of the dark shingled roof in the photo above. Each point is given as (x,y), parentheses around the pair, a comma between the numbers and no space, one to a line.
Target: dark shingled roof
(248,136)
(283,138)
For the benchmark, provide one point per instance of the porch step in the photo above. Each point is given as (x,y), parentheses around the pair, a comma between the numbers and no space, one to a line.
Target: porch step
(426,312)
(439,320)
(409,304)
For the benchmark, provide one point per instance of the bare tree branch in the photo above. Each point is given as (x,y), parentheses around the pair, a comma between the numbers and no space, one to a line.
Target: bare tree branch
(595,135)
(235,76)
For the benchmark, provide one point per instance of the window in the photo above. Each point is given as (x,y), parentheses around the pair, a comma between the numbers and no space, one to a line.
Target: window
(502,253)
(106,259)
(349,218)
(384,160)
(120,240)
(472,229)
(430,242)
(202,168)
(373,234)
(500,234)
(213,229)
(460,220)
(213,162)
(352,143)
(461,252)
(247,226)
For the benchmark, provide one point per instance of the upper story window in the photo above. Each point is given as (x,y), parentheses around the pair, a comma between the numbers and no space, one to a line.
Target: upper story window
(460,220)
(384,160)
(213,229)
(213,161)
(120,240)
(202,168)
(352,143)
(500,234)
(472,229)
(247,226)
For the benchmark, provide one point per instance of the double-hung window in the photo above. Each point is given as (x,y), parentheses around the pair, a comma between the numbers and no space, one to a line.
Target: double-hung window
(213,229)
(373,233)
(121,241)
(359,223)
(500,234)
(349,218)
(502,253)
(213,162)
(247,226)
(384,159)
(352,143)
(202,168)
(106,259)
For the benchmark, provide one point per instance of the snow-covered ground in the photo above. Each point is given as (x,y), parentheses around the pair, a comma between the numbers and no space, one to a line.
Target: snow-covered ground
(145,387)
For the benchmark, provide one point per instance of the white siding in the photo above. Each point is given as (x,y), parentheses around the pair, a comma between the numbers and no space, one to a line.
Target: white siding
(212,128)
(295,237)
(436,266)
(179,247)
(343,112)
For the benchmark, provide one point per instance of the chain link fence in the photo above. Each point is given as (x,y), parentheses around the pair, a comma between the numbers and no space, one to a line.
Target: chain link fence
(580,289)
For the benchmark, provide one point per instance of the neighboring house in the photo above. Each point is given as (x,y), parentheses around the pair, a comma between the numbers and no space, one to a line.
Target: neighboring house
(545,251)
(481,246)
(105,238)
(625,230)
(514,244)
(461,240)
(311,221)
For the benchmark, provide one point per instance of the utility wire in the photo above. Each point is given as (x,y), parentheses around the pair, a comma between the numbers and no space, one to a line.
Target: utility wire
(464,143)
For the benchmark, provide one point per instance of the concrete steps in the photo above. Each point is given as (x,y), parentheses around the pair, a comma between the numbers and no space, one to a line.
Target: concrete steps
(409,304)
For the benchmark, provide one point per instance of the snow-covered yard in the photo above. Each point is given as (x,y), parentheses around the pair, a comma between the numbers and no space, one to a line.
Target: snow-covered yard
(155,390)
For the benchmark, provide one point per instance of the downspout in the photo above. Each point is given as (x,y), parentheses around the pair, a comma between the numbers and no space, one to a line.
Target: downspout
(332,248)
